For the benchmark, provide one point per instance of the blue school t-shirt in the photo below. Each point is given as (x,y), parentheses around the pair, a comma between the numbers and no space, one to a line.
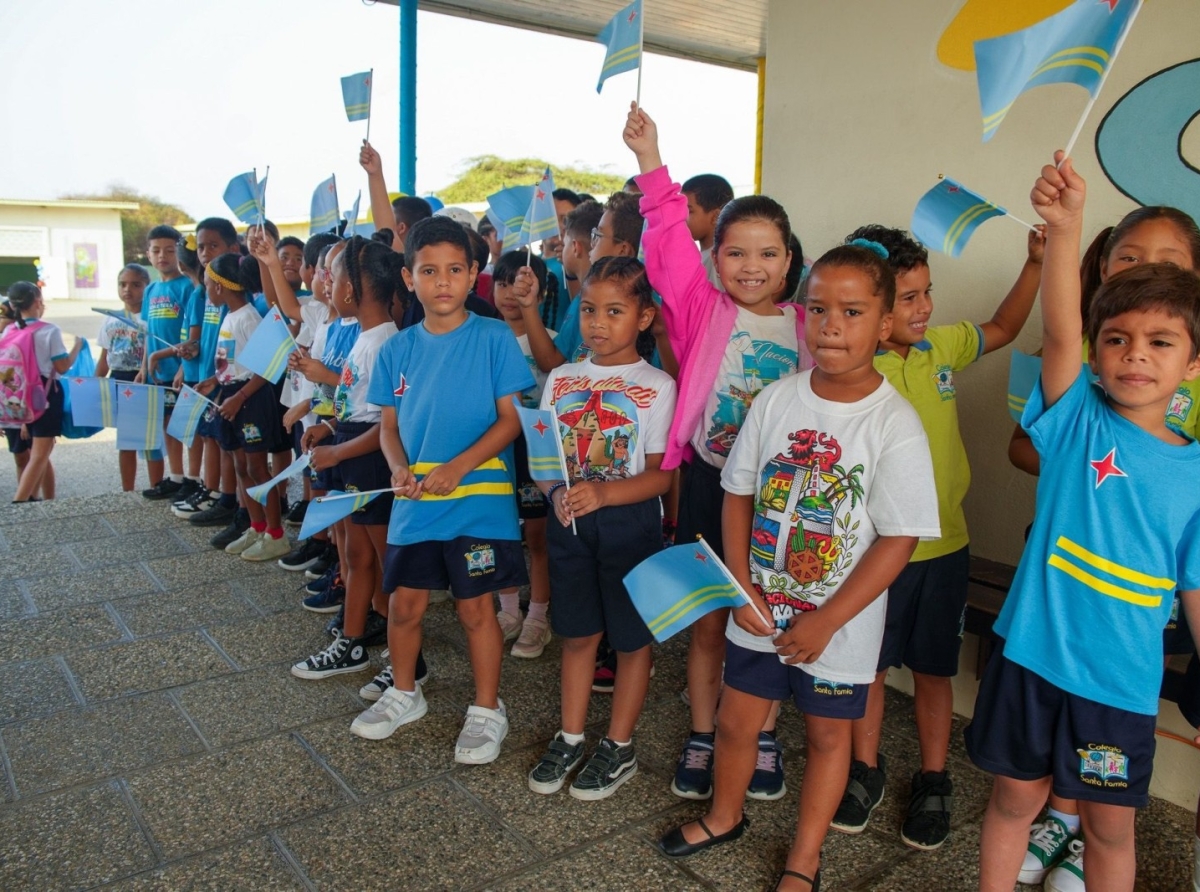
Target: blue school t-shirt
(193,368)
(444,389)
(1116,533)
(210,318)
(163,308)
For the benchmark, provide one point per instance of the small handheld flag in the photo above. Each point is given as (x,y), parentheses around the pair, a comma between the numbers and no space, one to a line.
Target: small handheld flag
(324,210)
(260,492)
(190,407)
(623,38)
(327,510)
(139,416)
(1075,46)
(267,350)
(1023,373)
(509,207)
(541,219)
(245,197)
(542,445)
(352,217)
(948,214)
(356,96)
(93,402)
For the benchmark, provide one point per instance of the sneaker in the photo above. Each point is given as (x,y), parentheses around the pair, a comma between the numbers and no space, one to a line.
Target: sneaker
(336,625)
(295,517)
(327,560)
(767,782)
(694,773)
(375,629)
(392,709)
(1068,876)
(481,736)
(604,680)
(189,488)
(214,515)
(559,760)
(244,541)
(327,600)
(164,489)
(267,548)
(927,823)
(438,596)
(535,635)
(199,501)
(608,768)
(864,792)
(237,526)
(303,555)
(374,688)
(510,625)
(322,582)
(344,655)
(1048,845)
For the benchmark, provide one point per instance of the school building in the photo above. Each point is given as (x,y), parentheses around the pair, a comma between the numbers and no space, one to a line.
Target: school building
(864,104)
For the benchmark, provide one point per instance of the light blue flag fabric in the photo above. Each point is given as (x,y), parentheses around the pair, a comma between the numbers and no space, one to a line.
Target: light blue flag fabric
(245,196)
(948,214)
(259,493)
(1023,373)
(677,586)
(541,218)
(323,213)
(94,402)
(356,96)
(538,427)
(623,38)
(324,514)
(267,350)
(1075,46)
(190,407)
(352,217)
(139,416)
(510,206)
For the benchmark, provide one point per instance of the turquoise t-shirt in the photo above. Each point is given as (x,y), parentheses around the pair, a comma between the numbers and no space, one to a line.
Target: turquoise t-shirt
(163,307)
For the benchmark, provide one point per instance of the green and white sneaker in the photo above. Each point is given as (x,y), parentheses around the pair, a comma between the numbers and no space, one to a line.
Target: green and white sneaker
(1048,844)
(1068,876)
(559,760)
(608,768)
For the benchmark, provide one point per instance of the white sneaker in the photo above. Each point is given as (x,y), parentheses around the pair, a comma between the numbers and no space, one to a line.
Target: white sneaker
(1068,876)
(393,709)
(535,635)
(244,541)
(267,548)
(510,625)
(481,735)
(1048,844)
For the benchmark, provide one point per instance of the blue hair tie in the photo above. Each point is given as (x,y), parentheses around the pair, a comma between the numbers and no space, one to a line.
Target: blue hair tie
(870,246)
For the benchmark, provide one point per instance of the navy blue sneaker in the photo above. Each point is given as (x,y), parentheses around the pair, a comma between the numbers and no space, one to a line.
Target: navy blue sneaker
(322,582)
(694,773)
(335,626)
(329,600)
(375,628)
(767,782)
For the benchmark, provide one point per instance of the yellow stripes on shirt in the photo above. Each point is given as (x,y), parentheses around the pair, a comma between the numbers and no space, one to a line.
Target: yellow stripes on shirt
(1069,556)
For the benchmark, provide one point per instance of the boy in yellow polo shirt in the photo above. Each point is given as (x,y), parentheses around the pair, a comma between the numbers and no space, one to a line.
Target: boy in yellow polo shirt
(927,602)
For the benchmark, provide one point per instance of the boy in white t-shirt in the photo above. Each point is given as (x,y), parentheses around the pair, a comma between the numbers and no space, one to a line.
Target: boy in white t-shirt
(827,490)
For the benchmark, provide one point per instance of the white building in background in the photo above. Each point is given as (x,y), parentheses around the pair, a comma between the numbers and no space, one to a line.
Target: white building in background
(75,244)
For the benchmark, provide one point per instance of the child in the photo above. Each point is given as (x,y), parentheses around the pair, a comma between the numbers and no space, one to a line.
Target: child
(613,411)
(32,443)
(532,633)
(706,194)
(928,600)
(828,488)
(122,351)
(729,347)
(1092,595)
(248,407)
(446,388)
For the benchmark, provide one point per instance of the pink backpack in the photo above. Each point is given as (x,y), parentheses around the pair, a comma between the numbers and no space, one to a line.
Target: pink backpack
(22,392)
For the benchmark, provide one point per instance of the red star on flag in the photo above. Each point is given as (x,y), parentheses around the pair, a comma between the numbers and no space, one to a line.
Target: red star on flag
(541,427)
(952,189)
(127,392)
(403,388)
(539,195)
(632,16)
(701,557)
(1107,467)
(1111,4)
(77,380)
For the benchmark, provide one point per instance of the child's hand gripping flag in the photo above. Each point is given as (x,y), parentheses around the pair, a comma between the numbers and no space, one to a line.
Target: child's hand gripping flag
(324,210)
(356,95)
(267,351)
(93,402)
(948,214)
(541,218)
(260,492)
(190,407)
(623,38)
(509,207)
(324,511)
(139,416)
(246,197)
(1023,373)
(1075,46)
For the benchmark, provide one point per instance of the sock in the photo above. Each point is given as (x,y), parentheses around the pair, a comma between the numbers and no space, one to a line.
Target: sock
(537,611)
(176,478)
(622,742)
(227,500)
(571,739)
(510,603)
(1071,822)
(276,533)
(259,526)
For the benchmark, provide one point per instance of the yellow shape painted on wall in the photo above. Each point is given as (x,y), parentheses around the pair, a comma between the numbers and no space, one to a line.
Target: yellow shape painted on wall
(981,19)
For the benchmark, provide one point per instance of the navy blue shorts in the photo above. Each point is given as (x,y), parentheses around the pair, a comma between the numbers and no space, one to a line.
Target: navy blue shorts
(256,424)
(587,572)
(1028,729)
(531,504)
(49,423)
(210,422)
(700,501)
(1189,698)
(926,609)
(469,567)
(1177,634)
(363,473)
(763,675)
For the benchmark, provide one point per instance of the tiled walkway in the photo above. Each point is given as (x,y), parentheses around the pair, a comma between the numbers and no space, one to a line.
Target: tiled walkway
(152,738)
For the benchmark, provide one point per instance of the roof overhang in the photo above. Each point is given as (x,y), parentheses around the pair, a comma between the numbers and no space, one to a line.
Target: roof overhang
(74,204)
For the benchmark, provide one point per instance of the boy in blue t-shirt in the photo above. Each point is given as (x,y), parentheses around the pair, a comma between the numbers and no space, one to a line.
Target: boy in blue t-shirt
(1069,705)
(447,390)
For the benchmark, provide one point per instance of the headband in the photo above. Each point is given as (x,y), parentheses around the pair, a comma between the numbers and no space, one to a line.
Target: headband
(870,246)
(222,281)
(189,241)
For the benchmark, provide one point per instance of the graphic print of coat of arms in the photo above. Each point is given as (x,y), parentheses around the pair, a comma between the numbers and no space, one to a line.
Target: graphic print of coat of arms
(803,538)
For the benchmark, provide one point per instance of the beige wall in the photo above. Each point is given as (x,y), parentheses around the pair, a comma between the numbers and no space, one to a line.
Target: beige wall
(861,117)
(55,231)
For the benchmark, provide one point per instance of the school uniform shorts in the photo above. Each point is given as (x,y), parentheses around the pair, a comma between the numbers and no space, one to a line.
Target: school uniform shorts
(48,424)
(926,608)
(364,473)
(700,501)
(764,675)
(468,566)
(531,504)
(256,424)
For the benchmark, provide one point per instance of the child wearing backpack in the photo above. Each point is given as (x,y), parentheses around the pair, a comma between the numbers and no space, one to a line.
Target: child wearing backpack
(32,356)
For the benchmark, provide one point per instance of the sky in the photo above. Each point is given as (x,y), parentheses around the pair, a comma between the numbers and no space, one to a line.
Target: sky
(175,98)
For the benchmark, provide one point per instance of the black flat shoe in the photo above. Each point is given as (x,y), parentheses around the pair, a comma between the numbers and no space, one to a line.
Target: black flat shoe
(674,845)
(814,881)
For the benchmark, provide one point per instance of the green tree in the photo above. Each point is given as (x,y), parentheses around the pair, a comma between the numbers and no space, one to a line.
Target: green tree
(489,173)
(136,225)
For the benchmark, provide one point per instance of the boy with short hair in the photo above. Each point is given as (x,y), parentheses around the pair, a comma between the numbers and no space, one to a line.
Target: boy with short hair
(706,194)
(1070,703)
(446,388)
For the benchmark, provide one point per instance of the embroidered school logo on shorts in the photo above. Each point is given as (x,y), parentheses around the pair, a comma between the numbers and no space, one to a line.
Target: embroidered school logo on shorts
(944,378)
(832,688)
(1101,765)
(251,433)
(530,496)
(481,559)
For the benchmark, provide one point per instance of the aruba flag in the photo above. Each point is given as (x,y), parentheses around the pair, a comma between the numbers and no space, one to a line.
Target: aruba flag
(324,210)
(538,426)
(541,218)
(356,96)
(1075,46)
(190,407)
(94,402)
(139,416)
(322,514)
(623,37)
(352,217)
(1023,373)
(267,350)
(510,207)
(245,196)
(948,214)
(680,584)
(259,493)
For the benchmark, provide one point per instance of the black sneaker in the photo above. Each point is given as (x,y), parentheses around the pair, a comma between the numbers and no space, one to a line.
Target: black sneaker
(199,501)
(342,656)
(335,626)
(767,782)
(864,792)
(559,760)
(927,823)
(374,688)
(188,488)
(375,628)
(295,517)
(214,515)
(322,582)
(303,555)
(604,679)
(164,489)
(233,532)
(608,768)
(327,560)
(328,599)
(694,773)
